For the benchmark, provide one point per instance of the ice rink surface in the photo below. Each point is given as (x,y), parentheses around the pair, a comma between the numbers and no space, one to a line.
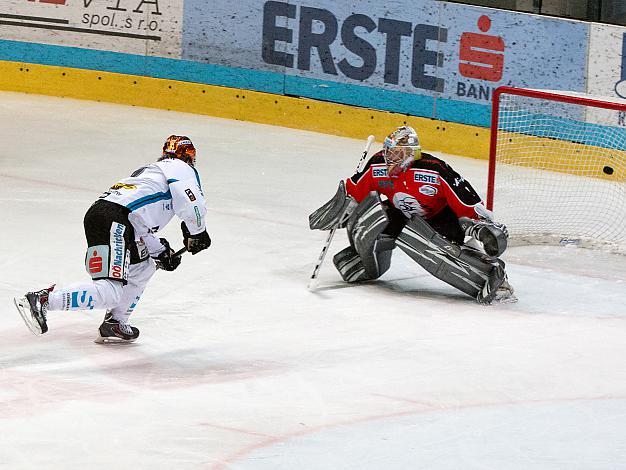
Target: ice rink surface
(239,366)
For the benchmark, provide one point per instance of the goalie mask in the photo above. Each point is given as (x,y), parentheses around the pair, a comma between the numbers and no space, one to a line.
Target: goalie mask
(401,148)
(179,146)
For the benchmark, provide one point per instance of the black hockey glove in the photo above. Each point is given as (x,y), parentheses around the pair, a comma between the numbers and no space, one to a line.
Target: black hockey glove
(166,259)
(195,243)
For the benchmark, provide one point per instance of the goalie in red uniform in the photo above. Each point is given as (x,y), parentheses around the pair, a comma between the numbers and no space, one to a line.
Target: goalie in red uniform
(428,210)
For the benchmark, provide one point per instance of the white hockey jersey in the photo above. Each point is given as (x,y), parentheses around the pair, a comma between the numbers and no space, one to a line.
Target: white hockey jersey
(155,193)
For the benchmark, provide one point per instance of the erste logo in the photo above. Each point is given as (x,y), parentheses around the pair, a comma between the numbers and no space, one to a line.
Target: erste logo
(379,172)
(428,178)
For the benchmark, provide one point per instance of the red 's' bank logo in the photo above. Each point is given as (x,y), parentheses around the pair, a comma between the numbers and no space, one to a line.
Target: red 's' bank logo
(95,263)
(481,55)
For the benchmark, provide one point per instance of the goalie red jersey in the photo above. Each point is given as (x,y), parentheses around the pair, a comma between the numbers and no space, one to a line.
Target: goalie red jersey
(427,187)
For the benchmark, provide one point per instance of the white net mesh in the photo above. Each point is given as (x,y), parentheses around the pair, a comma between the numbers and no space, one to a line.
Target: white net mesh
(560,170)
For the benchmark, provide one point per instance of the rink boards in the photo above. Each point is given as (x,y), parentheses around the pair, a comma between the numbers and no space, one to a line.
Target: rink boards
(350,69)
(234,103)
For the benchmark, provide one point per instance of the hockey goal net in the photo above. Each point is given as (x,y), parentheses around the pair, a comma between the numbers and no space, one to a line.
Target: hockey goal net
(557,168)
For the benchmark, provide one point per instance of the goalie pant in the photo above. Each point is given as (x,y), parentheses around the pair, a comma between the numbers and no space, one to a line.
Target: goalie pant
(370,250)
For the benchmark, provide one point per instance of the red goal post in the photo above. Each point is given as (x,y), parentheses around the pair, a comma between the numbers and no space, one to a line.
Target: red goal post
(557,167)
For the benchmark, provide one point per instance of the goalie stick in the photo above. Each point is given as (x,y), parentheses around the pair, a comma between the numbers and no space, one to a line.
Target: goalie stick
(331,234)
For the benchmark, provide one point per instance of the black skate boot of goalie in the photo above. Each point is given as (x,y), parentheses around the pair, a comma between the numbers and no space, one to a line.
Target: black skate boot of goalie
(33,309)
(112,331)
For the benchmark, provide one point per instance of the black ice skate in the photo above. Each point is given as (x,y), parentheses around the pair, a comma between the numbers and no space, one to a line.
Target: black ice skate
(33,308)
(112,331)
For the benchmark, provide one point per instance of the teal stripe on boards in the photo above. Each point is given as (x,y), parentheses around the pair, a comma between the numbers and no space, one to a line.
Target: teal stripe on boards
(131,64)
(412,104)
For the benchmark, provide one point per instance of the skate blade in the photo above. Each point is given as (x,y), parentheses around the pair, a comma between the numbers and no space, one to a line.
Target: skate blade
(23,308)
(112,340)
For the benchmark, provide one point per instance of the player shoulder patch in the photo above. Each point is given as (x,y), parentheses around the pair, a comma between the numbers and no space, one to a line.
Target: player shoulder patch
(190,194)
(425,177)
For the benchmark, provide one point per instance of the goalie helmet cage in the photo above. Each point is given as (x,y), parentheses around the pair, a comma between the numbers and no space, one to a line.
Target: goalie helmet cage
(557,168)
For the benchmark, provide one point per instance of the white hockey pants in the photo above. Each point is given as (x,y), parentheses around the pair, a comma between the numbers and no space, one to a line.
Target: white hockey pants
(106,294)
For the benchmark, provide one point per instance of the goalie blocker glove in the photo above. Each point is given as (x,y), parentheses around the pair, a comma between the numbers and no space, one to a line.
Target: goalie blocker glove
(166,259)
(335,213)
(493,236)
(195,243)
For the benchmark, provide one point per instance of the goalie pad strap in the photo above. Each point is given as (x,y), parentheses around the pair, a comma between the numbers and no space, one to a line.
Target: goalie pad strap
(461,267)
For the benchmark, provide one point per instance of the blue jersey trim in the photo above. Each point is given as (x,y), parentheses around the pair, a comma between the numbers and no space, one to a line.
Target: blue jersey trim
(171,180)
(144,201)
(197,178)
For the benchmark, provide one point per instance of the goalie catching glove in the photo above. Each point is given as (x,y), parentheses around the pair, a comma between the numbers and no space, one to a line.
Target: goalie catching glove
(195,243)
(166,259)
(335,213)
(493,236)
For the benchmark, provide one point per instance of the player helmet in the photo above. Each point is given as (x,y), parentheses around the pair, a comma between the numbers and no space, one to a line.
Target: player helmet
(179,146)
(401,148)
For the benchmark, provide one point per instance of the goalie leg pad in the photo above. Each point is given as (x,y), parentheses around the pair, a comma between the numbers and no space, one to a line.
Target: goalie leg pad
(366,224)
(354,268)
(349,264)
(463,268)
(367,242)
(381,256)
(497,287)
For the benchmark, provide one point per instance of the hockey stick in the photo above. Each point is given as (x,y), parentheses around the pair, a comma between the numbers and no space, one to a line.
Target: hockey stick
(331,234)
(180,252)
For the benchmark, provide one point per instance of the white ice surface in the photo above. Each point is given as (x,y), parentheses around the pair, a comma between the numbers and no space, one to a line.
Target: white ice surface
(239,366)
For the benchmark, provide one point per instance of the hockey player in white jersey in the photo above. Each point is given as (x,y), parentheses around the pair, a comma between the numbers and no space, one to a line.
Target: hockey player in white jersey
(123,251)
